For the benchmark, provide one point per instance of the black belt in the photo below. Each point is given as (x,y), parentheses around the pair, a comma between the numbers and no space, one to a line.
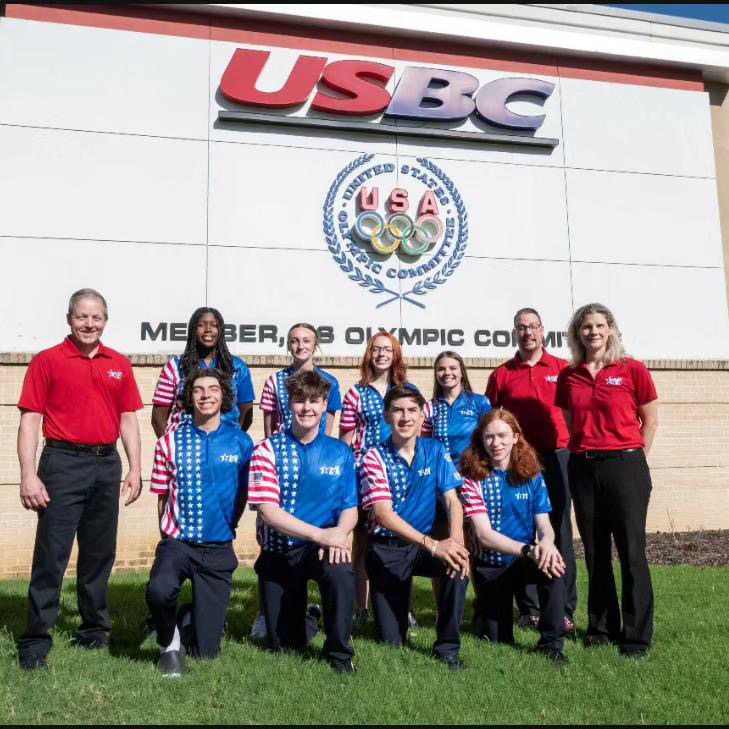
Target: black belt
(103,449)
(603,455)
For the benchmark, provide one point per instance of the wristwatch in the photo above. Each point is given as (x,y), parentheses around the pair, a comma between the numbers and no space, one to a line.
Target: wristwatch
(525,550)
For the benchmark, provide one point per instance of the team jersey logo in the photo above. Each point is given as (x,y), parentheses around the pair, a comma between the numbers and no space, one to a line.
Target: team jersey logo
(115,374)
(614,381)
(551,378)
(330,471)
(229,458)
(398,230)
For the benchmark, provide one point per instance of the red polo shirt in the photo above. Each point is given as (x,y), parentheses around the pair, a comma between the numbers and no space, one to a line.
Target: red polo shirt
(604,410)
(529,392)
(81,398)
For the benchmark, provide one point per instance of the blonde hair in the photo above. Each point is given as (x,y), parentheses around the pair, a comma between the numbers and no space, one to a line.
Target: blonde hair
(614,350)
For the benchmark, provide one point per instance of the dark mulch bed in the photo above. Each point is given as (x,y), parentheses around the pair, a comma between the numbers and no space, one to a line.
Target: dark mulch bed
(708,548)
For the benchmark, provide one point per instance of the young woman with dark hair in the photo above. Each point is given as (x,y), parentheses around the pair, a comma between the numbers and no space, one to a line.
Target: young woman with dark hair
(205,347)
(512,540)
(363,426)
(303,341)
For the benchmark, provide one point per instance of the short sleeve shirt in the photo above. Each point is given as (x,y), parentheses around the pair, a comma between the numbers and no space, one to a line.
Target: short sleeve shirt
(453,425)
(511,509)
(528,392)
(604,409)
(81,398)
(171,382)
(412,488)
(205,477)
(315,482)
(275,398)
(363,411)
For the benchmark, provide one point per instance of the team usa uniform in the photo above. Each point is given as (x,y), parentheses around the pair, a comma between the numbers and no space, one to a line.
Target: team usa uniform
(275,398)
(205,477)
(363,411)
(315,482)
(611,484)
(511,510)
(529,393)
(391,561)
(170,384)
(453,425)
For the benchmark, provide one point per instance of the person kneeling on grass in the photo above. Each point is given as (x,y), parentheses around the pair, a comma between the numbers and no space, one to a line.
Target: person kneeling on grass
(304,487)
(506,500)
(200,474)
(401,478)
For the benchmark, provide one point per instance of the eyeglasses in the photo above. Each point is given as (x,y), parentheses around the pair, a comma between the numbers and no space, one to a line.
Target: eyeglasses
(381,350)
(523,328)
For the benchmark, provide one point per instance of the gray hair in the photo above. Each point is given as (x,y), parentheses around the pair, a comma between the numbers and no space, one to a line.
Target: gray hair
(76,296)
(614,350)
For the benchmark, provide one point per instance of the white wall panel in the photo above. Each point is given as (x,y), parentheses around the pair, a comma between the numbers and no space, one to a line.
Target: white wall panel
(271,196)
(75,77)
(484,294)
(140,283)
(102,186)
(664,313)
(634,218)
(276,287)
(610,126)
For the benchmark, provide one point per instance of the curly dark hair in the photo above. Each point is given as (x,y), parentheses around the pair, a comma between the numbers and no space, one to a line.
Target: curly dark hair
(225,386)
(524,464)
(190,358)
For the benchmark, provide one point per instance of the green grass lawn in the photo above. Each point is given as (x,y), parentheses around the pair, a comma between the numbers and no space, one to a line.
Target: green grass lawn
(684,680)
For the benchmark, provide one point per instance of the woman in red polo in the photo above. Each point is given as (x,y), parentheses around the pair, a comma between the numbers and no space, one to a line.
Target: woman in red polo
(610,403)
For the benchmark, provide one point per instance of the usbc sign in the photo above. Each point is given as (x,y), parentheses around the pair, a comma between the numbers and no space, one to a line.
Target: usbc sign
(359,90)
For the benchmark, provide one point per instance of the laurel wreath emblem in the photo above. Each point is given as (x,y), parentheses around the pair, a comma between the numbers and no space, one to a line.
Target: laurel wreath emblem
(373,284)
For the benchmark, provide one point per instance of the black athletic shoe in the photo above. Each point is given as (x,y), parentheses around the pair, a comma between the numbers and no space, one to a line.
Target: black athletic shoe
(595,641)
(554,655)
(636,653)
(33,660)
(454,663)
(171,664)
(97,642)
(342,667)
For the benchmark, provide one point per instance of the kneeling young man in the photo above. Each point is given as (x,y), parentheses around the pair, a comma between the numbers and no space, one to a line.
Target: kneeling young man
(303,484)
(400,482)
(200,474)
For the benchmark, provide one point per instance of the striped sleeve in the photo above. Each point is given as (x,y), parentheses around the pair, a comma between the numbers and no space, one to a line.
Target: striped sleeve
(374,483)
(350,407)
(166,390)
(472,498)
(161,471)
(269,399)
(427,430)
(263,487)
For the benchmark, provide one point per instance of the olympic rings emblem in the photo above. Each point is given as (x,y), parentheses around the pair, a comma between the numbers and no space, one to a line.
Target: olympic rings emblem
(398,232)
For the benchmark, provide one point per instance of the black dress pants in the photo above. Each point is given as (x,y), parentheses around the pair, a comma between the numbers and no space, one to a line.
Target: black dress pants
(84,504)
(558,487)
(282,582)
(391,565)
(611,496)
(209,567)
(495,587)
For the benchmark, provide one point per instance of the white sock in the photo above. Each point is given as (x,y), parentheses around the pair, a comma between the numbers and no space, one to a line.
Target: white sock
(175,644)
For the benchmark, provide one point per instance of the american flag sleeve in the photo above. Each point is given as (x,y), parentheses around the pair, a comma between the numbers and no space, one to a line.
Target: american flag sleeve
(263,487)
(374,483)
(472,498)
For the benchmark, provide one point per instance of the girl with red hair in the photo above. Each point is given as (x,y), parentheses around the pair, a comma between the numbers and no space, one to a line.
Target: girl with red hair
(512,540)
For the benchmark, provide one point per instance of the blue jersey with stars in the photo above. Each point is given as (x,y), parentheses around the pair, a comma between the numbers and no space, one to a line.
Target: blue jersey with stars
(453,425)
(204,476)
(511,509)
(412,489)
(313,481)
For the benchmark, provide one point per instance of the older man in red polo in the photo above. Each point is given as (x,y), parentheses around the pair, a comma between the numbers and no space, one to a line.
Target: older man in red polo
(85,395)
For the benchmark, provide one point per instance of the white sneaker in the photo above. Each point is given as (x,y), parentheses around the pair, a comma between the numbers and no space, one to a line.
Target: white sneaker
(258,630)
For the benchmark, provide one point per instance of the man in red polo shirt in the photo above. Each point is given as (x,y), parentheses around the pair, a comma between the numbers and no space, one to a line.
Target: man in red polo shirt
(526,386)
(85,395)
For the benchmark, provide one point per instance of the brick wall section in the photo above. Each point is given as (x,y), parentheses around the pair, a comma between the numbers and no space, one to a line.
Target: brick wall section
(689,462)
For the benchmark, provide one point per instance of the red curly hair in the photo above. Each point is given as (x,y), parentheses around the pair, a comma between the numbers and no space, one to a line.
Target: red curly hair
(524,464)
(398,368)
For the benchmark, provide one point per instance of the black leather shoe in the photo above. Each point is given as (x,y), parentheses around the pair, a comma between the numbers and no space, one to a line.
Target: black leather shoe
(171,664)
(31,661)
(454,663)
